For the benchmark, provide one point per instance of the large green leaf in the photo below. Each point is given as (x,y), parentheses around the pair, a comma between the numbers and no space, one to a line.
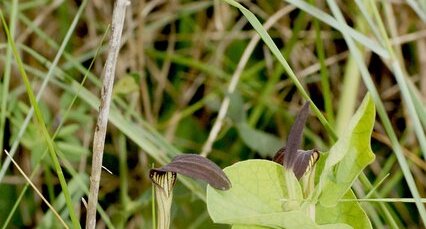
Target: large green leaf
(349,156)
(256,198)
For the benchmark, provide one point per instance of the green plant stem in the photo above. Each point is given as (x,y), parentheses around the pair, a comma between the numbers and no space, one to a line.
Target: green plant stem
(49,182)
(308,182)
(42,127)
(122,154)
(348,97)
(291,184)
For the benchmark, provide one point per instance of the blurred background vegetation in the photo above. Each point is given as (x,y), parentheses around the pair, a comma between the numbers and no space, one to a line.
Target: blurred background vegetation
(179,65)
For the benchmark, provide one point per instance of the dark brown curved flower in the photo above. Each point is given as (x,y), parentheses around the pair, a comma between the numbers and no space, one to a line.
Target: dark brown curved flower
(290,156)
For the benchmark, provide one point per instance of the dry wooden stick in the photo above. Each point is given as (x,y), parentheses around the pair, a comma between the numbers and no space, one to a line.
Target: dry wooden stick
(101,125)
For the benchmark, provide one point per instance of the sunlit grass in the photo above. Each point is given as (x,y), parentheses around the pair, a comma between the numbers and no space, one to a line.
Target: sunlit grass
(183,58)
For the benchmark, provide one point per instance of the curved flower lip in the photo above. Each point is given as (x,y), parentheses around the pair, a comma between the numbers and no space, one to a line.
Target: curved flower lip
(198,167)
(292,158)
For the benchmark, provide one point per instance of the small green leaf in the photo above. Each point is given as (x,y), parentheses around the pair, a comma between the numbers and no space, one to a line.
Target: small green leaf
(125,85)
(263,143)
(236,108)
(72,151)
(68,130)
(349,156)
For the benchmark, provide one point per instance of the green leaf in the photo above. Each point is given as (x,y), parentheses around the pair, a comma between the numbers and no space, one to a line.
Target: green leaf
(257,198)
(264,143)
(236,108)
(345,212)
(125,85)
(349,156)
(72,151)
(68,130)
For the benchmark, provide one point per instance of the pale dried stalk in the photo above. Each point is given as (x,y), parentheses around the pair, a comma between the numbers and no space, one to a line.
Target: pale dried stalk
(101,125)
